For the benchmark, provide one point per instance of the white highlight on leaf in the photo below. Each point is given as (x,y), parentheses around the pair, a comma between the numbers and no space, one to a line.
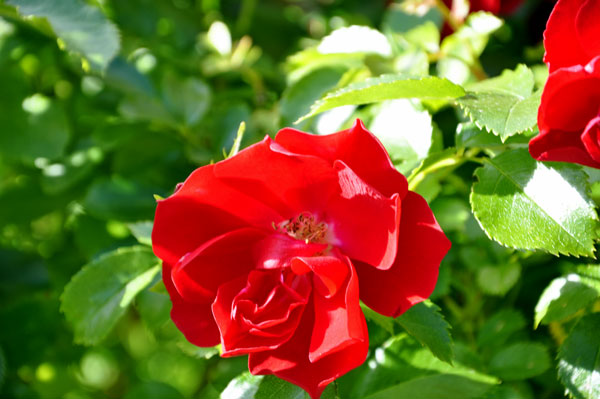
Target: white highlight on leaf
(554,194)
(219,37)
(355,39)
(400,122)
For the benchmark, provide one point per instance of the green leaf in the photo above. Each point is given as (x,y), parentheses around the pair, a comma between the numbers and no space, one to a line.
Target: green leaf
(32,127)
(355,39)
(462,49)
(525,204)
(579,359)
(436,386)
(120,199)
(520,361)
(298,97)
(99,294)
(82,28)
(142,231)
(562,298)
(243,386)
(387,87)
(2,367)
(425,322)
(505,105)
(498,279)
(387,323)
(408,145)
(271,387)
(498,328)
(186,99)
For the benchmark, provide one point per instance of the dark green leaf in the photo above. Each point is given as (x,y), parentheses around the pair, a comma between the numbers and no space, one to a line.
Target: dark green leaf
(520,361)
(387,87)
(516,202)
(498,328)
(100,293)
(82,27)
(436,386)
(579,359)
(121,199)
(271,387)
(425,322)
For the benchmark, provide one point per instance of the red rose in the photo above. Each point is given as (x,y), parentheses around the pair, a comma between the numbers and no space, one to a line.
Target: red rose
(503,7)
(572,33)
(269,252)
(569,116)
(569,113)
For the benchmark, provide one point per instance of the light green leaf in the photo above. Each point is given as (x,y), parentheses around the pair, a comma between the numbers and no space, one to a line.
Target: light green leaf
(462,49)
(405,130)
(243,386)
(82,27)
(520,361)
(186,99)
(562,298)
(387,87)
(498,279)
(387,323)
(505,105)
(425,322)
(142,231)
(579,359)
(355,39)
(525,204)
(445,386)
(99,294)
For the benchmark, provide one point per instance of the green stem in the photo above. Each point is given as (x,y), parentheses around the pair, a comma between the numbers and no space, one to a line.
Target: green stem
(447,14)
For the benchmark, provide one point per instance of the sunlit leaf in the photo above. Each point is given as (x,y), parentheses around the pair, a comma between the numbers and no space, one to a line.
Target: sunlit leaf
(526,204)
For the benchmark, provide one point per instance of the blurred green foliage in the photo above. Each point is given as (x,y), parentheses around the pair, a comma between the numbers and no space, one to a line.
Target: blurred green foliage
(105,104)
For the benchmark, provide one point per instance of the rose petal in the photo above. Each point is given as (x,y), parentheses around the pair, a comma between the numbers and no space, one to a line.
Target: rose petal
(356,147)
(330,272)
(291,183)
(276,250)
(240,335)
(559,146)
(587,28)
(363,222)
(412,278)
(204,207)
(194,320)
(563,49)
(571,98)
(291,363)
(198,274)
(590,138)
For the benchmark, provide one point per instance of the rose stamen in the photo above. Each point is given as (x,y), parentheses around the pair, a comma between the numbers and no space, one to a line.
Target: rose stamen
(304,227)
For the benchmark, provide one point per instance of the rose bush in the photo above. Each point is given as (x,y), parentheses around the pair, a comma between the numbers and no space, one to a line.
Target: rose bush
(270,251)
(569,114)
(503,7)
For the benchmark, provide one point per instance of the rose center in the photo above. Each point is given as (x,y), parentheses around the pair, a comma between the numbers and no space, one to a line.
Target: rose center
(304,227)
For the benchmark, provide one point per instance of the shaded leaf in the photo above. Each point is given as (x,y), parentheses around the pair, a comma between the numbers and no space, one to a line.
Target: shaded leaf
(579,359)
(520,361)
(425,322)
(100,293)
(562,298)
(82,27)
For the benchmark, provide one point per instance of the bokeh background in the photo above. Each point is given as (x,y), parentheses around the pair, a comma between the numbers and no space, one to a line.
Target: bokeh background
(87,142)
